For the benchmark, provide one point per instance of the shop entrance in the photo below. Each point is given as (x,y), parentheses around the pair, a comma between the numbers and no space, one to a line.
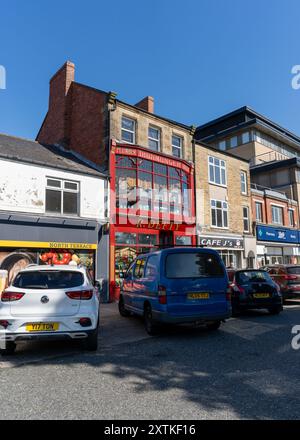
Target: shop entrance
(166,238)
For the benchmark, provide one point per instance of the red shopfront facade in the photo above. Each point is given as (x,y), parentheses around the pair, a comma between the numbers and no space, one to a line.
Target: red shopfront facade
(151,204)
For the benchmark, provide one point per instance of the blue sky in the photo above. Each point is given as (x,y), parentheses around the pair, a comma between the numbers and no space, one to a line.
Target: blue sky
(198,58)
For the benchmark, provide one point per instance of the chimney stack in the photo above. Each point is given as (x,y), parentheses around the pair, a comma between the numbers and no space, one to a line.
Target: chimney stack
(56,127)
(146,104)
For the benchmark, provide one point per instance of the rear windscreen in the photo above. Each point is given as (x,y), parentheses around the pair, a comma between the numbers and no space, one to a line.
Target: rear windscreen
(193,265)
(295,270)
(48,280)
(251,277)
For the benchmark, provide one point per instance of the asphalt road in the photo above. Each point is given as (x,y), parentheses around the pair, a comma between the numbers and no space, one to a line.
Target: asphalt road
(246,370)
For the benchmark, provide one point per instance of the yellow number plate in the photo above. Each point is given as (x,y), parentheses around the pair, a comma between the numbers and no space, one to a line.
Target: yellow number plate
(42,327)
(261,295)
(203,295)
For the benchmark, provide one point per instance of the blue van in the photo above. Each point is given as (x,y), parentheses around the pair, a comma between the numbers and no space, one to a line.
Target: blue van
(177,285)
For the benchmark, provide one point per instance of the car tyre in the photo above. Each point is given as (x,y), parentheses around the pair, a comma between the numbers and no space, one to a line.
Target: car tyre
(122,310)
(213,325)
(275,310)
(151,327)
(9,350)
(91,342)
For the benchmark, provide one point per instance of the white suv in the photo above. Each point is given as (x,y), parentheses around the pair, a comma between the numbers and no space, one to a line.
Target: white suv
(49,302)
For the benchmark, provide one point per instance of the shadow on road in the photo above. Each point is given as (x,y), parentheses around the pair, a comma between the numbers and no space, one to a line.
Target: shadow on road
(247,367)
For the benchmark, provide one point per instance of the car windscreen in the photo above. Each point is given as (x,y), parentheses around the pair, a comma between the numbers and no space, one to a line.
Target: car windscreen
(295,270)
(60,279)
(193,265)
(252,277)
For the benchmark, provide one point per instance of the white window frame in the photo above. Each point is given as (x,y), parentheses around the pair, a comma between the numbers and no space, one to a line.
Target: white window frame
(246,219)
(133,132)
(158,140)
(256,202)
(63,190)
(223,202)
(211,162)
(176,146)
(293,211)
(281,207)
(244,183)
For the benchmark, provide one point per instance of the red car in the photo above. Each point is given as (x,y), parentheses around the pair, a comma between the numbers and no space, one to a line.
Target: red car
(287,276)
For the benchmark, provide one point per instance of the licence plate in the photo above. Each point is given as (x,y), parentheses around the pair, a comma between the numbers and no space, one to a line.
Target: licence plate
(203,295)
(261,295)
(42,327)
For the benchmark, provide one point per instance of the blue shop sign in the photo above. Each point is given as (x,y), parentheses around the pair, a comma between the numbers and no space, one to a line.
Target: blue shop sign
(279,235)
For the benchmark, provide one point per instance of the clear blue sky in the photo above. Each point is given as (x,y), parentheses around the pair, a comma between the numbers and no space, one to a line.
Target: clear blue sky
(198,58)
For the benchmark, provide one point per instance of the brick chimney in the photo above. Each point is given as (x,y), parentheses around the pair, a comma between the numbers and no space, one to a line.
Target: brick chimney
(146,104)
(56,127)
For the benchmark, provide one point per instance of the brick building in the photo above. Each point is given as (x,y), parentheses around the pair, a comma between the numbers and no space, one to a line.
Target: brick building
(276,226)
(149,159)
(223,205)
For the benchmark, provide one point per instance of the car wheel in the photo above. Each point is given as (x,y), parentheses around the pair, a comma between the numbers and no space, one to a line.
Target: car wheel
(275,310)
(213,325)
(91,342)
(9,349)
(151,327)
(122,310)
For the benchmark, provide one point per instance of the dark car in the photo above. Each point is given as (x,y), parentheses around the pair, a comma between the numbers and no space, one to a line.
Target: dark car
(255,289)
(287,276)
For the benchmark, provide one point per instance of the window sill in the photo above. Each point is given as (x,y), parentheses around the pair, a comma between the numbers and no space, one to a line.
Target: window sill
(217,184)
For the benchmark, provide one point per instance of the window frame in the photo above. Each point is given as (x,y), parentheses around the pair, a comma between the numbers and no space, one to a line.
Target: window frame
(261,211)
(62,191)
(223,202)
(278,207)
(221,167)
(246,219)
(158,140)
(174,135)
(244,183)
(127,130)
(291,211)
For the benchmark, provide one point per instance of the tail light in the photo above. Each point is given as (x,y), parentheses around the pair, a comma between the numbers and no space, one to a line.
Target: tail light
(11,296)
(80,295)
(290,277)
(162,295)
(228,292)
(237,289)
(85,322)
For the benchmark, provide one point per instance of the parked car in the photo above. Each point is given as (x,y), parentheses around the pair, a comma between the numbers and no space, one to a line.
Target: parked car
(287,276)
(178,285)
(49,302)
(255,289)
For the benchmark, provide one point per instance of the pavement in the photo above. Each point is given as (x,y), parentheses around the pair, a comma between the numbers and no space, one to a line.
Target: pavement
(246,370)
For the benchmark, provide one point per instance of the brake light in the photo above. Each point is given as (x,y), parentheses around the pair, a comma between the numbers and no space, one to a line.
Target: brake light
(290,277)
(11,296)
(237,289)
(162,295)
(80,295)
(228,292)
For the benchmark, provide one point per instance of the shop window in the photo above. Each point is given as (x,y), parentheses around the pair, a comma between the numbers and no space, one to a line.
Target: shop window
(177,142)
(277,215)
(219,214)
(147,239)
(183,240)
(217,171)
(126,188)
(128,130)
(125,238)
(62,197)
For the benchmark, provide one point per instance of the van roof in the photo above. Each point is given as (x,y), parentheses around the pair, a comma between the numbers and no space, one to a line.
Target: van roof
(183,249)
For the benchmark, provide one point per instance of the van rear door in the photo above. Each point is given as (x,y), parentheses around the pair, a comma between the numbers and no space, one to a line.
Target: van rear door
(196,283)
